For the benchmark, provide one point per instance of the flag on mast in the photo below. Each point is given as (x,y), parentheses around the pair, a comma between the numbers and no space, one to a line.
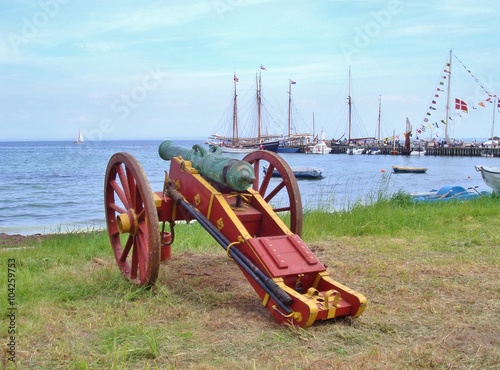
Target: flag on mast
(461,105)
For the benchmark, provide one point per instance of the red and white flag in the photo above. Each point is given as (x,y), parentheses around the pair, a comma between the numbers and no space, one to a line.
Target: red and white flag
(461,105)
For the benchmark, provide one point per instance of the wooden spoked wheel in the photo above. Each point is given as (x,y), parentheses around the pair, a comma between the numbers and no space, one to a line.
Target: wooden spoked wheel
(132,219)
(270,190)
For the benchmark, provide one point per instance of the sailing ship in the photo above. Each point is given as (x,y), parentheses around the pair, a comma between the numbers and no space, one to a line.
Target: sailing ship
(237,144)
(79,138)
(355,144)
(460,105)
(293,143)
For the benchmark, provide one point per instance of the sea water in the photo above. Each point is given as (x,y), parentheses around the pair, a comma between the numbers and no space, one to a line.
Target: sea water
(58,186)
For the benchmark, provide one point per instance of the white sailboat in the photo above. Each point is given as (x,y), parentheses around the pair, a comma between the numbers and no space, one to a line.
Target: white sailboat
(79,138)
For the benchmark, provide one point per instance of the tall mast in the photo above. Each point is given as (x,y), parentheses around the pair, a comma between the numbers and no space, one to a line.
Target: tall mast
(313,126)
(235,113)
(448,102)
(495,104)
(289,106)
(259,100)
(379,109)
(349,103)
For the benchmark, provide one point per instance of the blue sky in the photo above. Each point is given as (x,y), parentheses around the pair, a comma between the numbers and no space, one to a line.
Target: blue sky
(164,69)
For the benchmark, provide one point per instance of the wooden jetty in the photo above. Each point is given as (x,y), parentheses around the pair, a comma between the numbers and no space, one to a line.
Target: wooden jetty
(456,151)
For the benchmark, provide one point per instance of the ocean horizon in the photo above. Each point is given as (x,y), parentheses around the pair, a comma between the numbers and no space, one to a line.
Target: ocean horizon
(58,186)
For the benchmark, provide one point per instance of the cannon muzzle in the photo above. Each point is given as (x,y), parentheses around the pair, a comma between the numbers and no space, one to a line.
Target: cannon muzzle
(235,174)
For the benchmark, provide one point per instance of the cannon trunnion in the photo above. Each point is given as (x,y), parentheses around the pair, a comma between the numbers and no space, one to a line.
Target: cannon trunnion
(232,203)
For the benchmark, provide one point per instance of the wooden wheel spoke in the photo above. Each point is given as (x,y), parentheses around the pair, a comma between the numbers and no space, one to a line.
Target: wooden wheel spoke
(282,209)
(266,180)
(276,190)
(143,228)
(119,191)
(124,189)
(132,186)
(116,208)
(256,167)
(126,250)
(135,263)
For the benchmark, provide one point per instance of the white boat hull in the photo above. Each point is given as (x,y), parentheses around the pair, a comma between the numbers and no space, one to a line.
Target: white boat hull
(227,149)
(320,148)
(355,151)
(491,176)
(417,152)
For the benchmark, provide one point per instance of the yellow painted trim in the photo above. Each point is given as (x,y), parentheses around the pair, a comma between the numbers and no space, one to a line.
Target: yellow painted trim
(210,205)
(269,211)
(318,278)
(361,298)
(265,300)
(232,216)
(331,306)
(157,200)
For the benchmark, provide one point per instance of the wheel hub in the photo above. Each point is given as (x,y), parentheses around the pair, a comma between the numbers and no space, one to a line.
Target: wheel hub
(127,222)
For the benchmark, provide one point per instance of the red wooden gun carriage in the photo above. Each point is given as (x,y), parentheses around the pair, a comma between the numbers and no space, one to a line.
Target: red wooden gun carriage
(231,201)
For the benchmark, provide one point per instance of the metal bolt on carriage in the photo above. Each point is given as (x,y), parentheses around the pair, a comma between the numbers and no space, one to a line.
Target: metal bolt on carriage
(232,201)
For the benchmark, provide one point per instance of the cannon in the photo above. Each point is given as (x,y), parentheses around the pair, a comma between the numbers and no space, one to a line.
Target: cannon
(233,203)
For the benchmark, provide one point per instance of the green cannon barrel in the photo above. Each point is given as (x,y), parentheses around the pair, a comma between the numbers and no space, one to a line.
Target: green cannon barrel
(235,174)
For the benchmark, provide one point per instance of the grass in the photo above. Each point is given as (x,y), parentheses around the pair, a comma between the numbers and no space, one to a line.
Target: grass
(429,271)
